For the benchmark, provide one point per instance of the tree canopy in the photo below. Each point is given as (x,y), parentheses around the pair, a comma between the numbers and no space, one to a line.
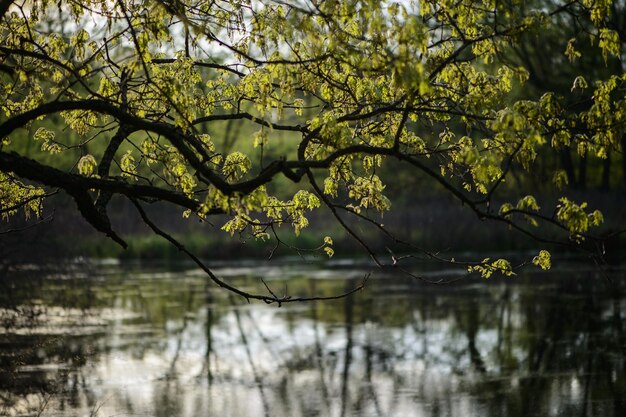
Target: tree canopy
(131,98)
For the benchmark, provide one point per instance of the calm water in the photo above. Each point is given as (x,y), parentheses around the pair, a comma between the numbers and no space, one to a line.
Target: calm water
(124,341)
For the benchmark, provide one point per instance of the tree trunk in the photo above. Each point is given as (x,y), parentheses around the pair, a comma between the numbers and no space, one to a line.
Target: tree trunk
(623,150)
(567,165)
(582,171)
(606,172)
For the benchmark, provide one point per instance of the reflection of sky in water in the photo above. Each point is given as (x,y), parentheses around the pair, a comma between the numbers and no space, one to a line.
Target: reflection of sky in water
(273,346)
(470,350)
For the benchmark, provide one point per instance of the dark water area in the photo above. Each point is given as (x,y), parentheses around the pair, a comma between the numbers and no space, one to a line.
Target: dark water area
(111,340)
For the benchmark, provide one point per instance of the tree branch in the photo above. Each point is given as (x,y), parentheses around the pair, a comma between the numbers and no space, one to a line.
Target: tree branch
(269,299)
(248,116)
(4,7)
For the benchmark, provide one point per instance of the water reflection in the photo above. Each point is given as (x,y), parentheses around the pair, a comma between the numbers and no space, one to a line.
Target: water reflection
(117,341)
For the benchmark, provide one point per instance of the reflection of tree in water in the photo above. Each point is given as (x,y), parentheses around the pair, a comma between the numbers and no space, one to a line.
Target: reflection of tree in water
(522,349)
(568,351)
(258,380)
(539,346)
(37,365)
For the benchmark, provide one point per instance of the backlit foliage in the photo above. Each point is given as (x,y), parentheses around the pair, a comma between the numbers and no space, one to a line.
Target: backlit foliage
(15,196)
(129,90)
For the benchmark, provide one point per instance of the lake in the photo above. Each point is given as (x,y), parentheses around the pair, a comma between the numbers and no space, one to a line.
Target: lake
(124,340)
